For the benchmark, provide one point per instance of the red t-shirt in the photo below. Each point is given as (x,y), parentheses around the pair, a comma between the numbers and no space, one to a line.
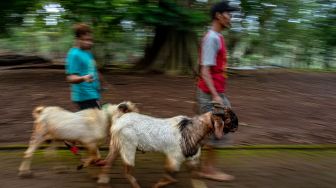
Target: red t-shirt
(217,71)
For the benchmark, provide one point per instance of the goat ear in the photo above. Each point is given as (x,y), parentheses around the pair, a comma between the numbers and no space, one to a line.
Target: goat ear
(123,107)
(218,127)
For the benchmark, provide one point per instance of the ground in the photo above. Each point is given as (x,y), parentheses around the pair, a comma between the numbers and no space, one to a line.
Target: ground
(252,168)
(273,107)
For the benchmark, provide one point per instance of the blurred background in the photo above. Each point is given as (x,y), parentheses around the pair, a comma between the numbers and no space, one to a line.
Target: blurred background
(282,82)
(282,61)
(164,35)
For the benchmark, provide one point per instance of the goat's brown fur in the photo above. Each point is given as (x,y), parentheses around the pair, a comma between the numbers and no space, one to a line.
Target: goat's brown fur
(179,138)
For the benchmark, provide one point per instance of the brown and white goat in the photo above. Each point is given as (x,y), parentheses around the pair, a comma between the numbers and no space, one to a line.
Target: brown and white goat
(89,127)
(179,138)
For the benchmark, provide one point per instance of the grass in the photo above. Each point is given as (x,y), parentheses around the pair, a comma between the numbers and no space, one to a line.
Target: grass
(237,147)
(331,70)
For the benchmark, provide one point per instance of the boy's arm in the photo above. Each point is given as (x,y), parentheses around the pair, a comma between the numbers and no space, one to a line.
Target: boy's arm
(73,70)
(104,84)
(75,79)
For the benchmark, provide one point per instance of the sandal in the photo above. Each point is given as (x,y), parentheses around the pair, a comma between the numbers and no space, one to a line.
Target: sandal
(217,176)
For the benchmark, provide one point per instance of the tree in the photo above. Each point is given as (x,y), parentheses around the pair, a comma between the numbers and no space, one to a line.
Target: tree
(175,40)
(13,12)
(325,31)
(288,30)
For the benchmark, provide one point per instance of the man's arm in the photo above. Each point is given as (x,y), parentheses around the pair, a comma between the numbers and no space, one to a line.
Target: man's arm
(210,47)
(205,73)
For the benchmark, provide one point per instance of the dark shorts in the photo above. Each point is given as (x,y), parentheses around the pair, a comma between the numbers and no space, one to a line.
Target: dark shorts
(204,101)
(94,103)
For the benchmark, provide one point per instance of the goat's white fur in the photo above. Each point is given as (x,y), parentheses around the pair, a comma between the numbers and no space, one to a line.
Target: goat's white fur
(134,131)
(138,131)
(88,127)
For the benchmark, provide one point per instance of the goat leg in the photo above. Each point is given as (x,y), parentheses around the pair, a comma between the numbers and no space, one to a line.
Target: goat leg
(166,180)
(93,155)
(171,167)
(131,178)
(103,177)
(24,169)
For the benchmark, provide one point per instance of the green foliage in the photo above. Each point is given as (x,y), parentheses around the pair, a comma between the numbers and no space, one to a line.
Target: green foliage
(168,13)
(304,32)
(325,27)
(12,13)
(294,33)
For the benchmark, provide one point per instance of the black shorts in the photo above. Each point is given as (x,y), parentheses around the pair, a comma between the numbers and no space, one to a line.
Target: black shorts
(94,103)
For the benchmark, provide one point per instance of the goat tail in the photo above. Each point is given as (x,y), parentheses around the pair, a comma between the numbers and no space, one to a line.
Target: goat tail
(37,111)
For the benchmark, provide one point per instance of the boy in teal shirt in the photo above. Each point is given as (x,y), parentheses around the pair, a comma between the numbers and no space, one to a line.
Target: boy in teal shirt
(81,70)
(82,73)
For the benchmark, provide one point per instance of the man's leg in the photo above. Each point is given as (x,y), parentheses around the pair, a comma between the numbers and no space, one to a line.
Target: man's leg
(208,167)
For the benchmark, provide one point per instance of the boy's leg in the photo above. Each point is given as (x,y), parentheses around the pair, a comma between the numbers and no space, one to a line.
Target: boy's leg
(94,103)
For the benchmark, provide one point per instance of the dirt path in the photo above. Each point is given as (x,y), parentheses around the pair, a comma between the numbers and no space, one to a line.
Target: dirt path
(273,107)
(252,168)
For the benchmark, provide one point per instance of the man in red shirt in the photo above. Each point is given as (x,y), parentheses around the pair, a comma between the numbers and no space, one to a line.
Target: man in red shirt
(212,82)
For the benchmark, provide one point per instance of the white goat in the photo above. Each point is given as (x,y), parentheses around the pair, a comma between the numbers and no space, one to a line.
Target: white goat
(88,127)
(179,138)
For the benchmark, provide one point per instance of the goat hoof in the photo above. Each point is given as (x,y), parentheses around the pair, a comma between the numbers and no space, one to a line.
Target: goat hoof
(79,167)
(100,162)
(103,179)
(26,174)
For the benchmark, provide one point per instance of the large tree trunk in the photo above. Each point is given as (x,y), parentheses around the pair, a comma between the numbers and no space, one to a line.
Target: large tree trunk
(171,51)
(153,48)
(328,56)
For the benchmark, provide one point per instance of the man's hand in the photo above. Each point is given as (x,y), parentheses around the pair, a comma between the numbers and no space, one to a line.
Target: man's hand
(205,72)
(218,99)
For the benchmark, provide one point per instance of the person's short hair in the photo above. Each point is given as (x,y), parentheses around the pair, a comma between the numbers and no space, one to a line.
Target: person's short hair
(221,7)
(81,29)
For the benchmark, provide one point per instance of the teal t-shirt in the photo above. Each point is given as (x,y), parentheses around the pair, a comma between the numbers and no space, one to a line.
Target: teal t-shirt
(81,62)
